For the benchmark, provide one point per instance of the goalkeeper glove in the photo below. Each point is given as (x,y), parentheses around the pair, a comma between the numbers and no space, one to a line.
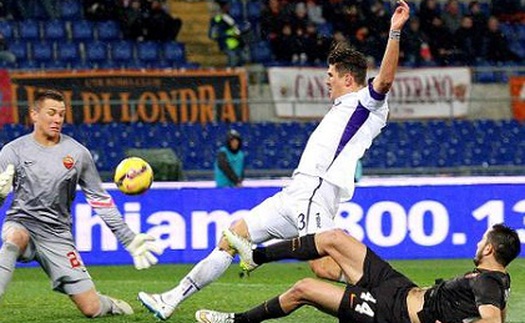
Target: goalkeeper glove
(141,248)
(6,180)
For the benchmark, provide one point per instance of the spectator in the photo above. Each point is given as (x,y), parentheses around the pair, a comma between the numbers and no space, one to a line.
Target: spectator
(229,166)
(160,25)
(441,43)
(452,16)
(272,20)
(299,19)
(428,10)
(286,45)
(496,44)
(365,43)
(378,21)
(5,54)
(334,12)
(353,20)
(413,41)
(465,43)
(315,12)
(227,34)
(132,21)
(100,10)
(479,22)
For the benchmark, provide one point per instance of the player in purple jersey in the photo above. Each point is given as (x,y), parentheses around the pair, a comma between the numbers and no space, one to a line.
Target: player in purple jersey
(376,293)
(44,168)
(324,176)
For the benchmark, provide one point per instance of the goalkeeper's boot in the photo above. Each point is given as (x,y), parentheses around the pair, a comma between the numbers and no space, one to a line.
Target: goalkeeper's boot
(155,304)
(244,249)
(207,316)
(120,307)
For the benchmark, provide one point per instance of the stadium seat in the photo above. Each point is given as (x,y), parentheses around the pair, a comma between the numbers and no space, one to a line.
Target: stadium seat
(96,53)
(71,9)
(54,30)
(261,52)
(42,52)
(237,11)
(108,30)
(122,52)
(82,30)
(68,53)
(174,53)
(148,51)
(29,29)
(253,10)
(20,50)
(7,29)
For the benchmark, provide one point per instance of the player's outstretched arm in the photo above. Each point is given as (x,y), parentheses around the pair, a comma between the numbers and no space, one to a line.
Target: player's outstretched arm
(384,79)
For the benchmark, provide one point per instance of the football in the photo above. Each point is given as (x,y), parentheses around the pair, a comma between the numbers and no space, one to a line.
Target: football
(133,176)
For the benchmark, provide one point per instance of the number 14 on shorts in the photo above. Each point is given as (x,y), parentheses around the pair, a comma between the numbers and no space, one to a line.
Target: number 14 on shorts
(366,306)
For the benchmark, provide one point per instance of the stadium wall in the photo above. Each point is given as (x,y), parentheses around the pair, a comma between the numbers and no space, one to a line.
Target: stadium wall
(399,218)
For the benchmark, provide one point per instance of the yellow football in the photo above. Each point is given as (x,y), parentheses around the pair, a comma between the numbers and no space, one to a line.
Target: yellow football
(133,176)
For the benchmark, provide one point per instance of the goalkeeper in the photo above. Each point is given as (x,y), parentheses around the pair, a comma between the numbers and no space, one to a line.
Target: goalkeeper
(44,168)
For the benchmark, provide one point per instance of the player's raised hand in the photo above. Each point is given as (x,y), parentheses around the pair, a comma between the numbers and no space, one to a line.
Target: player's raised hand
(400,16)
(142,248)
(6,180)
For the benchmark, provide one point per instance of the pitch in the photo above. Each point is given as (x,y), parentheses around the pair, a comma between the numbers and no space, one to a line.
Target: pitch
(30,299)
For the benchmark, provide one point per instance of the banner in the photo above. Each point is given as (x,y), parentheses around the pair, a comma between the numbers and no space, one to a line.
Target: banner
(416,93)
(517,94)
(401,220)
(6,113)
(130,96)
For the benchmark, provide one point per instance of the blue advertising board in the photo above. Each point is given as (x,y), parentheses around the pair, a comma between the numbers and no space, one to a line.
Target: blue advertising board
(413,221)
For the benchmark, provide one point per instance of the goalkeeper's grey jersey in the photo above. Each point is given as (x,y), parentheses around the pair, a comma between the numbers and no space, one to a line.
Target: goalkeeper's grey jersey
(45,184)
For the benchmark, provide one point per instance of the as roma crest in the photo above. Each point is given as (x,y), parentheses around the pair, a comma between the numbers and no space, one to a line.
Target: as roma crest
(68,162)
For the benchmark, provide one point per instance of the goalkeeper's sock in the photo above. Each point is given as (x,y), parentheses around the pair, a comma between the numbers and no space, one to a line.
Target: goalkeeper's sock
(105,306)
(302,248)
(270,309)
(8,255)
(205,272)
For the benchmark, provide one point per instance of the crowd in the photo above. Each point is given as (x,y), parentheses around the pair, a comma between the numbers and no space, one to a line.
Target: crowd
(139,19)
(300,32)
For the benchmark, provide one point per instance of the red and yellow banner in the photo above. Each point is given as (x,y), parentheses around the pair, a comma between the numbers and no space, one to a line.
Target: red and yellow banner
(131,96)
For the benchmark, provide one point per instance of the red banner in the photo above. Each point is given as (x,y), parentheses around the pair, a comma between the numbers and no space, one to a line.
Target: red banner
(517,93)
(6,112)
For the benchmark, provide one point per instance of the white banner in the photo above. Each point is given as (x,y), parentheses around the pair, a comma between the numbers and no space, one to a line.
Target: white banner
(416,93)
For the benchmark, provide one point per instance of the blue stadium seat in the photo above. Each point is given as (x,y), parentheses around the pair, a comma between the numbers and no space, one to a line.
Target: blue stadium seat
(29,29)
(237,11)
(253,10)
(174,53)
(54,30)
(122,52)
(261,52)
(148,51)
(71,9)
(42,52)
(7,28)
(20,49)
(108,30)
(82,30)
(68,53)
(96,53)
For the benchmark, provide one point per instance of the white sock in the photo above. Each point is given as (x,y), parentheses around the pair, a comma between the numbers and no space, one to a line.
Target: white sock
(105,306)
(8,255)
(205,272)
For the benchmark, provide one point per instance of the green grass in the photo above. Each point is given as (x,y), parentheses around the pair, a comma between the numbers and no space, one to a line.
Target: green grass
(30,299)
